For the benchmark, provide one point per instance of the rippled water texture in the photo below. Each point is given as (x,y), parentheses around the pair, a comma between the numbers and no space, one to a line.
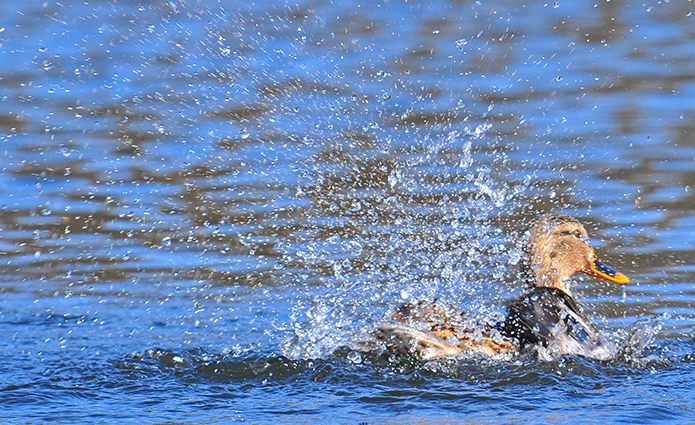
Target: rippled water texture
(205,206)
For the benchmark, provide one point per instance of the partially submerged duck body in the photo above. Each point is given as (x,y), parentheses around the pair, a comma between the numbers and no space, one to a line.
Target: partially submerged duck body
(432,330)
(544,321)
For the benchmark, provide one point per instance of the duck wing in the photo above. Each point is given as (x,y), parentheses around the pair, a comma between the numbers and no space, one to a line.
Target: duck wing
(549,321)
(423,344)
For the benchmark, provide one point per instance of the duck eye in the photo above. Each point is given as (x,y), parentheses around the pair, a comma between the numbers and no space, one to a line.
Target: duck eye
(582,237)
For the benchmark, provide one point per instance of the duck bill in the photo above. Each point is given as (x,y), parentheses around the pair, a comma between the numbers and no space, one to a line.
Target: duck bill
(601,270)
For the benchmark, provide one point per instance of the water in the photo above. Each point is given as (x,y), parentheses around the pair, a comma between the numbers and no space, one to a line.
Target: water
(205,207)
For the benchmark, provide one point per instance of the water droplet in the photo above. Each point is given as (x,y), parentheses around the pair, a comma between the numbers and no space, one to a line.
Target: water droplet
(166,241)
(394,177)
(514,257)
(354,357)
(382,75)
(355,248)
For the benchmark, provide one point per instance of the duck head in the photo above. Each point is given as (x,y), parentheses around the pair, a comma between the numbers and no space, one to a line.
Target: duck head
(557,248)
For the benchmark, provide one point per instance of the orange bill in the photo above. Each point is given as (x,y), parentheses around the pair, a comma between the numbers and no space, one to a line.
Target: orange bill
(601,270)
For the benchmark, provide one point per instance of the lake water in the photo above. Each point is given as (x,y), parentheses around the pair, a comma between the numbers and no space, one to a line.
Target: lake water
(205,206)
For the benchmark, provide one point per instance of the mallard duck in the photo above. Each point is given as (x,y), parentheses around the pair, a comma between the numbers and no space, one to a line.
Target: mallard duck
(544,320)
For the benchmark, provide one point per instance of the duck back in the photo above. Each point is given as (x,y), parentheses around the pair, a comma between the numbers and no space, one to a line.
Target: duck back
(434,330)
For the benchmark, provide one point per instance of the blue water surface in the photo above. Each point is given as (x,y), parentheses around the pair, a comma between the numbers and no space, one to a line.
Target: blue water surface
(206,206)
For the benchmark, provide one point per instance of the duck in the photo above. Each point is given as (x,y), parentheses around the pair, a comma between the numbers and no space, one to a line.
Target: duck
(545,321)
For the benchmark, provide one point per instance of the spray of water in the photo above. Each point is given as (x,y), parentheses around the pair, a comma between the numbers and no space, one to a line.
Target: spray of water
(423,222)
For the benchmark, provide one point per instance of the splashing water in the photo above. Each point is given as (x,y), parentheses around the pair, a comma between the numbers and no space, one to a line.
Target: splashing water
(429,227)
